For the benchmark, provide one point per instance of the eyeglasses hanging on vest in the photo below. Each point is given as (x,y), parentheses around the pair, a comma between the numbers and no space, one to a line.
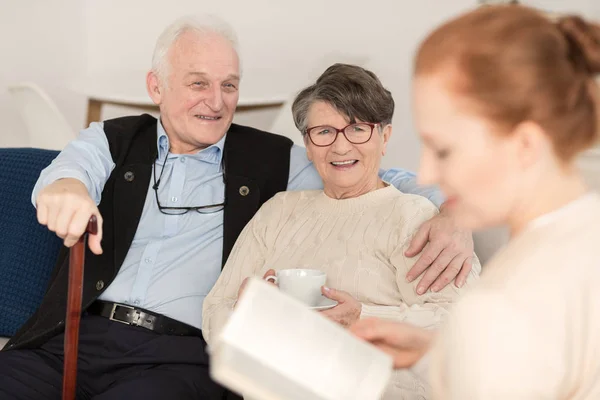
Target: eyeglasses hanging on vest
(205,209)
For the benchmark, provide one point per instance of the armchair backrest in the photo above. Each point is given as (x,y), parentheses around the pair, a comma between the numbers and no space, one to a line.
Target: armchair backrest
(28,250)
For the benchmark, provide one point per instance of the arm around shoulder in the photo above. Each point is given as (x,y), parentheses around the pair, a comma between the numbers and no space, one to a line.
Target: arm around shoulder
(406,182)
(423,211)
(429,309)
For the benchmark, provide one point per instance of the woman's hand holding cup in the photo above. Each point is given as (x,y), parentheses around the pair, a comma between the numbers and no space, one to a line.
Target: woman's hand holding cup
(348,309)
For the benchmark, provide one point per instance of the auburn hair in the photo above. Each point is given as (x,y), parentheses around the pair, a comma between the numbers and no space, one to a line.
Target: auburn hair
(515,64)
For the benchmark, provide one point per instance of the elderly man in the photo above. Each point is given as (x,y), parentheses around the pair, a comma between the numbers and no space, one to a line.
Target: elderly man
(171,197)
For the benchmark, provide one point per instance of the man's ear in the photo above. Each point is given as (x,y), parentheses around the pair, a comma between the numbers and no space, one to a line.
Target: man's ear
(387,133)
(153,87)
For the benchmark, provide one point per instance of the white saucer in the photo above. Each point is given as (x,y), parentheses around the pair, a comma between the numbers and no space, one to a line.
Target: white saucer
(324,304)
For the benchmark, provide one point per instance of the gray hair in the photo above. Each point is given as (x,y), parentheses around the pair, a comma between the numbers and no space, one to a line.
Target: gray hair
(353,91)
(201,25)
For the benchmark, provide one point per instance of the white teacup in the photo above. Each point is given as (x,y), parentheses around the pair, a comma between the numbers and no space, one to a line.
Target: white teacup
(302,284)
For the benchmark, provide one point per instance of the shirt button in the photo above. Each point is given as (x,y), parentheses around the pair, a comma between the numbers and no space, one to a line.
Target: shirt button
(182,159)
(137,302)
(100,285)
(148,260)
(174,199)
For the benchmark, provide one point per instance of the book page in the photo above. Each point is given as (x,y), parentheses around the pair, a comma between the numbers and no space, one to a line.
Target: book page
(274,347)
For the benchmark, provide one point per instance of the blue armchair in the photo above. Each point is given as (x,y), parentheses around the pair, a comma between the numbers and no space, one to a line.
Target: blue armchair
(28,251)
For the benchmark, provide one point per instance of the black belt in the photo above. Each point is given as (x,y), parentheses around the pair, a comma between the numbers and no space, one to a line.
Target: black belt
(144,318)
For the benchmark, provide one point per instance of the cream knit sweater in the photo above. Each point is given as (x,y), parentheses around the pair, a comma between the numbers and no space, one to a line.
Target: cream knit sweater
(360,244)
(530,329)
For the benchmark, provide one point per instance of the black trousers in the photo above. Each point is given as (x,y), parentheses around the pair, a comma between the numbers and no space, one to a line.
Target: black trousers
(116,361)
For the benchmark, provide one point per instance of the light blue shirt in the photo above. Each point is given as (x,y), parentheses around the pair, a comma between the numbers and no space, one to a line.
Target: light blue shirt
(174,260)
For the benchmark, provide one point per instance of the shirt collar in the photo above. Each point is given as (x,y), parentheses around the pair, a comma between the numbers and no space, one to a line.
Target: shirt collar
(213,154)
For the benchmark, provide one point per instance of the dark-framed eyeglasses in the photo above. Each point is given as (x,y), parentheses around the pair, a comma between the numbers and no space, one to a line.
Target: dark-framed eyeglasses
(205,209)
(325,135)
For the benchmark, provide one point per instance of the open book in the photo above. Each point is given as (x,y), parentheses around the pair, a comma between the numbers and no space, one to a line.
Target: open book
(275,348)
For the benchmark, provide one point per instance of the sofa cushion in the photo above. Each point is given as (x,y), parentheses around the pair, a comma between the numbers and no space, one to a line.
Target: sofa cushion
(28,250)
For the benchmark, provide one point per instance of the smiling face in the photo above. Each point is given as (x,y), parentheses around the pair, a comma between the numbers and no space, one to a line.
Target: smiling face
(200,95)
(479,170)
(348,170)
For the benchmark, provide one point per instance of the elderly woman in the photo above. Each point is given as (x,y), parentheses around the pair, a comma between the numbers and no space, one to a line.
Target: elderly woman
(357,229)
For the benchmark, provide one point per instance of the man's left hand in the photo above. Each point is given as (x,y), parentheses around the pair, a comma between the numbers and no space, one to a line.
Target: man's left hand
(347,310)
(447,254)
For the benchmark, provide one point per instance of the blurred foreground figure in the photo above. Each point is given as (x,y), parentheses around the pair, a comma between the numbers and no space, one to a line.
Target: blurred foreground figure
(505,100)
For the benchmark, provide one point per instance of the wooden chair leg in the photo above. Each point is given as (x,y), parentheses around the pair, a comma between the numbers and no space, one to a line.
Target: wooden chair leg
(73,317)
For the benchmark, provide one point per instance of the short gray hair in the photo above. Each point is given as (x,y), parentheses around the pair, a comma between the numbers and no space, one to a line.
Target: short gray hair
(199,24)
(353,91)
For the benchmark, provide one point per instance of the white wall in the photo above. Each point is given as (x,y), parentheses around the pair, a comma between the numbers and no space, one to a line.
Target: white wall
(54,43)
(43,41)
(582,7)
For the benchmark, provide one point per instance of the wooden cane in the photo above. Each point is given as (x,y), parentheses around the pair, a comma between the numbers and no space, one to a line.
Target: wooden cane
(76,260)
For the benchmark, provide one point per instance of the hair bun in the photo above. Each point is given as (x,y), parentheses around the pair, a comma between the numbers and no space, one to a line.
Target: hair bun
(584,42)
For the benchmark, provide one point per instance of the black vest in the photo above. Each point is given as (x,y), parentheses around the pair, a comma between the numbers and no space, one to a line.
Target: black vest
(256,167)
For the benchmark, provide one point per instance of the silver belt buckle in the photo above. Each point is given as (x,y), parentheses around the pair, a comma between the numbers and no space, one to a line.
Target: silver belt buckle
(114,308)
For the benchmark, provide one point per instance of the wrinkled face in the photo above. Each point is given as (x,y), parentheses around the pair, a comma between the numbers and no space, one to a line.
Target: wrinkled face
(199,98)
(347,169)
(476,168)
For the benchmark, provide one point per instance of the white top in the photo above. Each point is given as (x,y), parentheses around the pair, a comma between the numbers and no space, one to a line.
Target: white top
(360,243)
(530,329)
